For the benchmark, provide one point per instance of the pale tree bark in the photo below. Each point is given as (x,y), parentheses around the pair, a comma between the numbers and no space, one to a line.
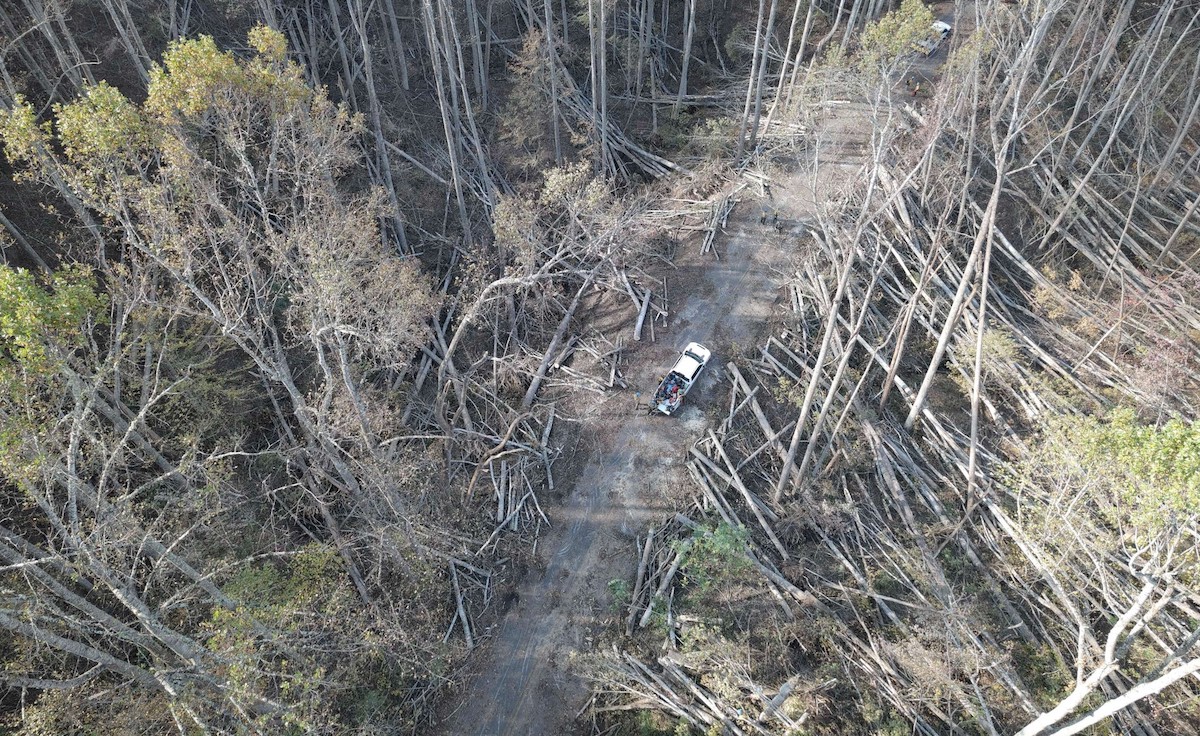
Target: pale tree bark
(349,72)
(552,72)
(1132,695)
(791,86)
(762,73)
(399,58)
(855,6)
(1016,125)
(845,271)
(448,111)
(1185,125)
(755,60)
(122,19)
(690,25)
(81,650)
(783,70)
(602,48)
(1117,645)
(459,88)
(597,34)
(70,60)
(359,19)
(478,66)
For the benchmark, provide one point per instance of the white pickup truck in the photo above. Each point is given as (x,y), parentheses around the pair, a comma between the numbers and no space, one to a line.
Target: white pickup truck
(669,396)
(938,32)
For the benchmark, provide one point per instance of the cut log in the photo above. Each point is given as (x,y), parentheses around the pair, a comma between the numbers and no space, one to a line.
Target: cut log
(637,330)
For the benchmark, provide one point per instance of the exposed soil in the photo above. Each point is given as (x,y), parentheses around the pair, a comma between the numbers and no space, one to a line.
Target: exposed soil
(527,678)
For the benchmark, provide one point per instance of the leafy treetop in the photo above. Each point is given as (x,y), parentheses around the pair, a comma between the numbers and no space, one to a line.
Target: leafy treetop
(887,41)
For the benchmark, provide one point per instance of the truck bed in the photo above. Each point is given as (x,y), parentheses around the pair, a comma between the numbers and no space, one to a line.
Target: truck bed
(670,393)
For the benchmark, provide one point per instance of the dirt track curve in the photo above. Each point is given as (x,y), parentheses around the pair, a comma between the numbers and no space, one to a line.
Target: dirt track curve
(527,679)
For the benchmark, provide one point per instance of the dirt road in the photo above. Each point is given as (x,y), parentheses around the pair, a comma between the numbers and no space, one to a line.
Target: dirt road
(527,681)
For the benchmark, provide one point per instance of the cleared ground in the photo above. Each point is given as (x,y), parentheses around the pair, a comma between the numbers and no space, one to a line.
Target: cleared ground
(527,679)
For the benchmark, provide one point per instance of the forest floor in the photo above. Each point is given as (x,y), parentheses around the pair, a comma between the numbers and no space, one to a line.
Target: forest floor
(630,473)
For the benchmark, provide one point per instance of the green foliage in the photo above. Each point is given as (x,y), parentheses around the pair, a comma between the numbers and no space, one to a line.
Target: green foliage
(44,321)
(968,52)
(619,590)
(999,352)
(675,131)
(1152,473)
(285,597)
(739,44)
(196,76)
(526,120)
(20,133)
(882,720)
(217,131)
(313,578)
(102,124)
(215,395)
(834,59)
(715,557)
(269,43)
(648,723)
(1039,666)
(1141,479)
(576,186)
(885,42)
(713,138)
(96,709)
(39,321)
(786,391)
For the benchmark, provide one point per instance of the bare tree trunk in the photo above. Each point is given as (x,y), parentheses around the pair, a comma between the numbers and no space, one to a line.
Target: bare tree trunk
(552,72)
(358,17)
(595,81)
(449,112)
(847,269)
(855,6)
(565,19)
(977,381)
(131,39)
(477,62)
(762,73)
(787,56)
(602,47)
(754,63)
(1131,696)
(388,8)
(597,33)
(1085,687)
(458,82)
(20,239)
(70,59)
(552,350)
(349,74)
(83,651)
(687,51)
(1016,123)
(35,65)
(1184,128)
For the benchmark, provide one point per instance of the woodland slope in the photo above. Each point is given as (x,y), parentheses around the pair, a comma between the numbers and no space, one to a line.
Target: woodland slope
(324,326)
